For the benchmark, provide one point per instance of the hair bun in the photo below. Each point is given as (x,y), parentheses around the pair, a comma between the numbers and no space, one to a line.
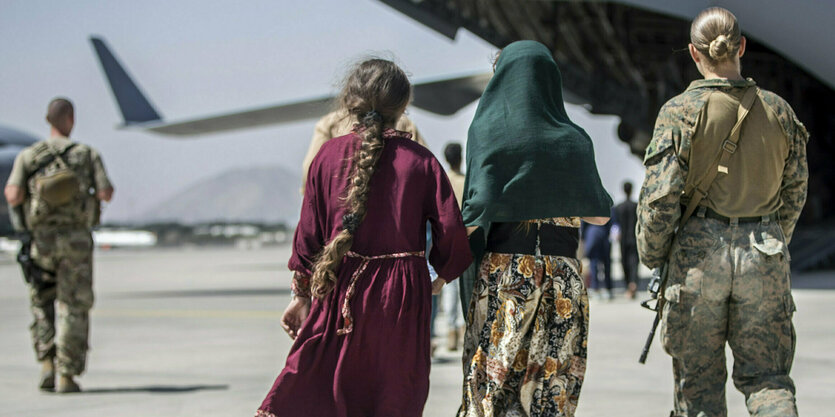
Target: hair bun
(720,47)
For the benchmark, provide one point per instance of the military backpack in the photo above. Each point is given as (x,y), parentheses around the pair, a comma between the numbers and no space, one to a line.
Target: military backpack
(56,188)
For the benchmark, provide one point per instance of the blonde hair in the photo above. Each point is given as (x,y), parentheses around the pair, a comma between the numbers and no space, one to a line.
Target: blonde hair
(373,94)
(715,33)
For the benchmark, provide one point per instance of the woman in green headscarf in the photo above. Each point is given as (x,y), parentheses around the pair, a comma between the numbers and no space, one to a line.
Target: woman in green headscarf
(531,178)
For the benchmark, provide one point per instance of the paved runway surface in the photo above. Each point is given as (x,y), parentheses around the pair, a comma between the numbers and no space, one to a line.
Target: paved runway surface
(195,333)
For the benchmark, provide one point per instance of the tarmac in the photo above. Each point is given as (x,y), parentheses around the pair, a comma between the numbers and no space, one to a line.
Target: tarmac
(195,332)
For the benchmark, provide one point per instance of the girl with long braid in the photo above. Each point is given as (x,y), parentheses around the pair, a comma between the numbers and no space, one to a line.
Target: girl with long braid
(361,305)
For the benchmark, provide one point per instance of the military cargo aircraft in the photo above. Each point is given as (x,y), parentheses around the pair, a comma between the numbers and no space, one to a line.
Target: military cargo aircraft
(624,58)
(628,57)
(441,96)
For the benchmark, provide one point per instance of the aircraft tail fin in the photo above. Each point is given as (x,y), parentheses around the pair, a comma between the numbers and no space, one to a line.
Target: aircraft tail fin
(133,104)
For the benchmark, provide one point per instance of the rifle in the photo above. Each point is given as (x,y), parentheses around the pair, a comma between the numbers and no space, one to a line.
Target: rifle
(658,282)
(33,274)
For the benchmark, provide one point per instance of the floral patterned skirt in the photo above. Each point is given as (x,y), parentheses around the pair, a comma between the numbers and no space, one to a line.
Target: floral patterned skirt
(527,331)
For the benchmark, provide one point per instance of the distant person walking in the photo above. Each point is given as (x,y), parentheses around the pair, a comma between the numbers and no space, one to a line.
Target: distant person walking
(734,157)
(598,249)
(361,305)
(531,177)
(340,123)
(625,217)
(450,294)
(55,186)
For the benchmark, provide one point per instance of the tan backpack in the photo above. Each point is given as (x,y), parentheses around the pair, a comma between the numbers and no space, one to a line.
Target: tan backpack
(60,185)
(54,185)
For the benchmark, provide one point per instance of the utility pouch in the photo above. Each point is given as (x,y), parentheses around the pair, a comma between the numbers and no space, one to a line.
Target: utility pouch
(58,184)
(58,187)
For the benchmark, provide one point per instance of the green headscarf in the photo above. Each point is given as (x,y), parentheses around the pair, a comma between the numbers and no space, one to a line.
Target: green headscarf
(525,158)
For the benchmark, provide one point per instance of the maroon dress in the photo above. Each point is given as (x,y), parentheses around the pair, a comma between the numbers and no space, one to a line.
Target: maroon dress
(371,356)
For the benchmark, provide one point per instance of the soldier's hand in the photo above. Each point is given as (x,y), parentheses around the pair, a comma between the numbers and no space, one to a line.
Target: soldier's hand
(295,315)
(105,195)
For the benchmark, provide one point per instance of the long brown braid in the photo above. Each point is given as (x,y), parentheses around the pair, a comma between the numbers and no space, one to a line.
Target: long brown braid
(374,94)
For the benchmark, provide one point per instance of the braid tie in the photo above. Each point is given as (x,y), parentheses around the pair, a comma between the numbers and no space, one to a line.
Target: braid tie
(350,222)
(372,117)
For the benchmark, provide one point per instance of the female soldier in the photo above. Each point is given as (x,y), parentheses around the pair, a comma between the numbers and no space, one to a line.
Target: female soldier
(734,157)
(362,344)
(531,176)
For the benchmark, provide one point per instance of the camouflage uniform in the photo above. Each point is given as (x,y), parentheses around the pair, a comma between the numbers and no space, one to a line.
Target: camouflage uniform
(728,281)
(63,245)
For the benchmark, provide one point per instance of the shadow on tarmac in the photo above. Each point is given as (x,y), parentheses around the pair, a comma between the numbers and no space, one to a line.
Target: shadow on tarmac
(155,389)
(441,360)
(220,292)
(820,280)
(250,267)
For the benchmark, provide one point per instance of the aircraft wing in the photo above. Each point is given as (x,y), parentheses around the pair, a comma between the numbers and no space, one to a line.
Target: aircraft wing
(447,96)
(444,96)
(283,113)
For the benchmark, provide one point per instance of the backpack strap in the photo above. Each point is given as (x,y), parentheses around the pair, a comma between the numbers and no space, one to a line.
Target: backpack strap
(698,190)
(48,160)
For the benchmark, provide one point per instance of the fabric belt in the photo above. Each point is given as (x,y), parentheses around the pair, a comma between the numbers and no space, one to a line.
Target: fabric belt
(348,318)
(707,212)
(533,239)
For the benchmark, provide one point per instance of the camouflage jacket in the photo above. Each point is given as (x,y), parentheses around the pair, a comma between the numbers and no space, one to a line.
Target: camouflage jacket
(659,206)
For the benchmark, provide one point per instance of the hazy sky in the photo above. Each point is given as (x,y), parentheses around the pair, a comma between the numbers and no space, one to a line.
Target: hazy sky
(199,57)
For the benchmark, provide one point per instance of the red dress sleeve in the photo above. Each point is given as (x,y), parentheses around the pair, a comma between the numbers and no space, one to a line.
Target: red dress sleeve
(450,254)
(309,237)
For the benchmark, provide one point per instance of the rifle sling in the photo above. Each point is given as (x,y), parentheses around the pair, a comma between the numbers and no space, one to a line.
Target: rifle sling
(699,189)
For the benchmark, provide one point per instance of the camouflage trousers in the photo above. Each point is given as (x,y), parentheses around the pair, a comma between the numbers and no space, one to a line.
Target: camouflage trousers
(68,255)
(730,284)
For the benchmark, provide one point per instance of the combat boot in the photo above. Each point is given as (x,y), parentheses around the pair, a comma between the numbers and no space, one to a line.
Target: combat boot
(47,375)
(67,385)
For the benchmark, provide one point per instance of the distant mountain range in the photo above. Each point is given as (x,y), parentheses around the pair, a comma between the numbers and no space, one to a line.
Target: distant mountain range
(260,194)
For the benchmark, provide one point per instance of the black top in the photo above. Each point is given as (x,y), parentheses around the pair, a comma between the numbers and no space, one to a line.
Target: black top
(625,215)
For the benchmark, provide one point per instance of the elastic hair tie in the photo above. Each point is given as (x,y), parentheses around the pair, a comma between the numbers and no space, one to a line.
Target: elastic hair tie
(373,115)
(350,222)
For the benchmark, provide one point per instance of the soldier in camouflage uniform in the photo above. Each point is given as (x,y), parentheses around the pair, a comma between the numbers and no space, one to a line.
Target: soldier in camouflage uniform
(729,263)
(62,245)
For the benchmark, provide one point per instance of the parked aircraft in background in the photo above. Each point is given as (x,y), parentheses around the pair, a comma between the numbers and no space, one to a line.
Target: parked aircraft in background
(12,141)
(624,58)
(441,96)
